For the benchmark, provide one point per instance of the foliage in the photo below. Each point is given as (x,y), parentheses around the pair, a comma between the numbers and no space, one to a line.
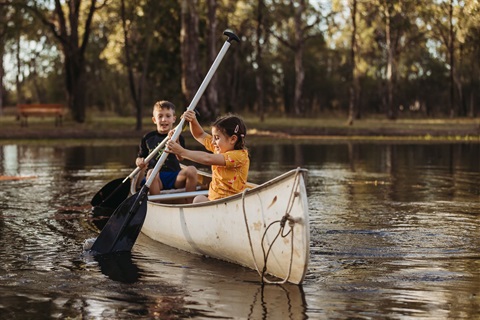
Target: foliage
(420,41)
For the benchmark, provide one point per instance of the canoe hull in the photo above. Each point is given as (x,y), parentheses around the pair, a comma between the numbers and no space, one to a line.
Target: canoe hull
(244,228)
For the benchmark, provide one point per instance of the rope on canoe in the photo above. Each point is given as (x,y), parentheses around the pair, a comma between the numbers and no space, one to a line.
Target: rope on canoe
(286,217)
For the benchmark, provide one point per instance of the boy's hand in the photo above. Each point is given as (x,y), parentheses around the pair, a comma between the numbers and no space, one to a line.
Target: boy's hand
(140,162)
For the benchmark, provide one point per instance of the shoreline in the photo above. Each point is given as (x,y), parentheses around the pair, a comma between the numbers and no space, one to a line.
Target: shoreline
(331,129)
(127,137)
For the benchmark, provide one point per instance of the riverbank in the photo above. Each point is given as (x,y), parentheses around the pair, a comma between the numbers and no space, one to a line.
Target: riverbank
(112,127)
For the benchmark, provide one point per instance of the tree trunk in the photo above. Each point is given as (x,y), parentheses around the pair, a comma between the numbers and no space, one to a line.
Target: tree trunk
(462,104)
(212,89)
(65,28)
(391,110)
(128,65)
(75,84)
(190,55)
(353,102)
(451,49)
(135,91)
(74,61)
(259,61)
(299,49)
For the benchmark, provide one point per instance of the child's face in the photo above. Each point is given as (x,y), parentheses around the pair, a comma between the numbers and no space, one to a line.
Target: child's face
(164,119)
(222,142)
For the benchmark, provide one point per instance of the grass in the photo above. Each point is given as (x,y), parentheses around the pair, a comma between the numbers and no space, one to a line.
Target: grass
(460,129)
(368,123)
(100,126)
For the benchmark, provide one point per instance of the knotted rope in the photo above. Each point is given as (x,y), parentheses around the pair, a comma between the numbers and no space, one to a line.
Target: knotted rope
(282,222)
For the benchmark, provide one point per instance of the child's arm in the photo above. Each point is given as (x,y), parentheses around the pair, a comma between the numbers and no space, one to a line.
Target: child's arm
(195,128)
(170,134)
(196,156)
(143,149)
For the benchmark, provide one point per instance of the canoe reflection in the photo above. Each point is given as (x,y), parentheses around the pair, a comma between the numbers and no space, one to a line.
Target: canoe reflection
(226,289)
(268,299)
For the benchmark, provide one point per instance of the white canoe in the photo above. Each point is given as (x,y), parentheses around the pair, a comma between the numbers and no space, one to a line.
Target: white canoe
(268,222)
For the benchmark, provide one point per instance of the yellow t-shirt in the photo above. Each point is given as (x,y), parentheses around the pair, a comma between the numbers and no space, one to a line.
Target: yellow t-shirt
(229,179)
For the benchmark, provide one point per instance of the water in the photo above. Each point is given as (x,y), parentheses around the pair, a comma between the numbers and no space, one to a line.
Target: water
(394,234)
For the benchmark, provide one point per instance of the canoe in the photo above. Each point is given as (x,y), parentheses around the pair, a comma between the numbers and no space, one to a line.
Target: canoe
(265,228)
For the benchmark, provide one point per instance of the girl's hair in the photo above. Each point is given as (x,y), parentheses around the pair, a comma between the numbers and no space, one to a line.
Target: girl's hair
(230,125)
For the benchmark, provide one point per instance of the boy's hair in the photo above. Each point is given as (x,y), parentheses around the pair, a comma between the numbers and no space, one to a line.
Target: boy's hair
(164,104)
(230,125)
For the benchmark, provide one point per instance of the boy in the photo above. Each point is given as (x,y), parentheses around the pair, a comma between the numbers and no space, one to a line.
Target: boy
(171,176)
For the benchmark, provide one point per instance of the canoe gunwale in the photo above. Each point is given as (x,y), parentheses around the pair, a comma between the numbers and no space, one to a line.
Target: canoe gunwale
(256,188)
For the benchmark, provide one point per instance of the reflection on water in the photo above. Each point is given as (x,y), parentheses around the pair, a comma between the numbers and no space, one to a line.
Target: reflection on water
(119,267)
(230,290)
(394,234)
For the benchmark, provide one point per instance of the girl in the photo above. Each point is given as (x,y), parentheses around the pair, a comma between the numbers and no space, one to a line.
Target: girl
(229,160)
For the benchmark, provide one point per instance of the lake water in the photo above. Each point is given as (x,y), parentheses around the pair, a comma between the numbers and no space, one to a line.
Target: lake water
(395,233)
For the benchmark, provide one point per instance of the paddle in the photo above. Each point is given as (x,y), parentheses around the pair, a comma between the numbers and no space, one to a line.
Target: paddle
(114,192)
(123,227)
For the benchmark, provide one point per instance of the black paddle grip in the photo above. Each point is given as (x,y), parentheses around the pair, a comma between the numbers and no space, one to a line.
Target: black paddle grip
(231,36)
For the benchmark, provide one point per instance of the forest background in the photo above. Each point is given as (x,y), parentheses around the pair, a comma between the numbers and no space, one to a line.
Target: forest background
(348,59)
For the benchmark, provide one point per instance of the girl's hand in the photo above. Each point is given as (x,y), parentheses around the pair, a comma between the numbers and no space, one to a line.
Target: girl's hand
(189,115)
(174,147)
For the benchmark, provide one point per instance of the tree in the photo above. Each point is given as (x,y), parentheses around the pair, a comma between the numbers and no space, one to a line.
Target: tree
(296,42)
(470,42)
(67,28)
(212,36)
(259,64)
(451,54)
(189,39)
(136,86)
(354,85)
(297,57)
(391,108)
(445,21)
(299,48)
(3,37)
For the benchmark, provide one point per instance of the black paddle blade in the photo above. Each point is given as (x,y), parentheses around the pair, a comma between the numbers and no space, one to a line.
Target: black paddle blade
(123,227)
(112,194)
